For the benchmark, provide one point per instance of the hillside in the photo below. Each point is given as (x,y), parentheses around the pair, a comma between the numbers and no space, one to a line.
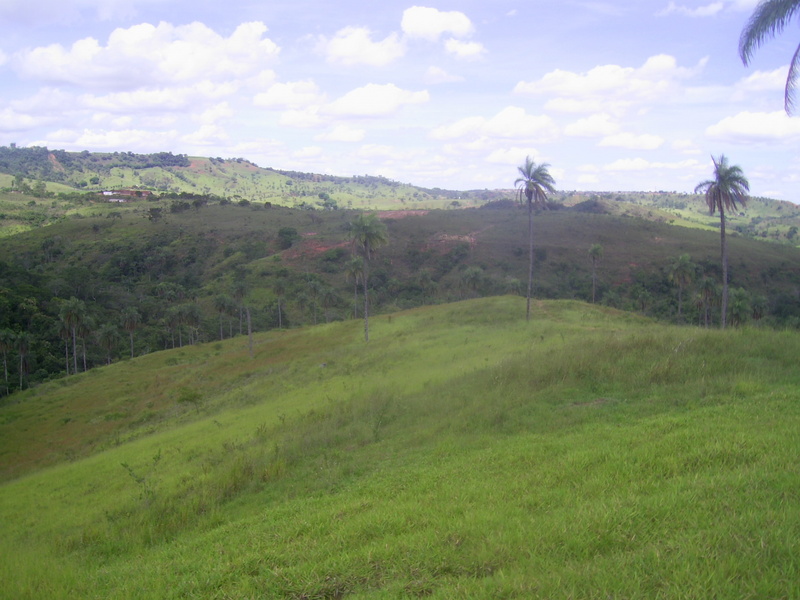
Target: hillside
(235,179)
(60,174)
(158,273)
(461,453)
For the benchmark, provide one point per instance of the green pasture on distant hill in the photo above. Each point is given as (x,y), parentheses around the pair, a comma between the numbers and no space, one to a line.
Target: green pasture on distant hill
(461,453)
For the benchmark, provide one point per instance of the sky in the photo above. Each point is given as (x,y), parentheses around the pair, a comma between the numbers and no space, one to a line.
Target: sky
(615,95)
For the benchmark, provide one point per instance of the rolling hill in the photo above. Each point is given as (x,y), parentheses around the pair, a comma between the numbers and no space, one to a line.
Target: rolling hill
(461,453)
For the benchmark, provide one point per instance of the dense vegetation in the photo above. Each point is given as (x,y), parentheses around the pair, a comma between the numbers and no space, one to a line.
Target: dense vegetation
(462,453)
(105,281)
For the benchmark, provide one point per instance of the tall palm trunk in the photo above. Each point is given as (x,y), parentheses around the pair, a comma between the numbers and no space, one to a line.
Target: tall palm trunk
(366,302)
(724,244)
(355,298)
(74,349)
(530,259)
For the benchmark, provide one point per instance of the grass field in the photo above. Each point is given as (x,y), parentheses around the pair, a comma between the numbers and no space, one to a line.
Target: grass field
(462,453)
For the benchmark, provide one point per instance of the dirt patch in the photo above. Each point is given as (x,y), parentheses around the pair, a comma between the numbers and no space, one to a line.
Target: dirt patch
(54,161)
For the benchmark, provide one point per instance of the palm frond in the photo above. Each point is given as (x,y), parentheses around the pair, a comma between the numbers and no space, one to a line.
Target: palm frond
(768,20)
(791,82)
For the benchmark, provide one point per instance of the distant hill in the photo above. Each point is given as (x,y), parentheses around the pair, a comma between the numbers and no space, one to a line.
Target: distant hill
(234,179)
(165,174)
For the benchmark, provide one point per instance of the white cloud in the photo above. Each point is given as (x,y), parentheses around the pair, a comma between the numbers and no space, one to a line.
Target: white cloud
(151,55)
(263,80)
(592,126)
(588,179)
(436,75)
(135,139)
(613,87)
(756,127)
(686,146)
(512,156)
(164,99)
(139,100)
(762,81)
(640,164)
(373,151)
(464,50)
(373,100)
(354,46)
(46,100)
(632,141)
(709,10)
(216,113)
(208,135)
(308,152)
(511,122)
(579,105)
(342,133)
(292,94)
(114,121)
(301,118)
(430,23)
(12,120)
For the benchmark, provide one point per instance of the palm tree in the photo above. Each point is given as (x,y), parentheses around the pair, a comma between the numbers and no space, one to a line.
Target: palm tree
(595,254)
(741,309)
(131,319)
(768,20)
(368,233)
(173,319)
(24,341)
(222,304)
(107,337)
(682,273)
(329,298)
(240,289)
(314,291)
(7,340)
(280,291)
(534,183)
(72,313)
(65,334)
(353,270)
(85,329)
(471,278)
(709,292)
(728,190)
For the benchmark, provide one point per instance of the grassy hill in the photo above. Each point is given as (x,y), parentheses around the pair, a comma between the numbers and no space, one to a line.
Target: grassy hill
(462,453)
(60,174)
(235,179)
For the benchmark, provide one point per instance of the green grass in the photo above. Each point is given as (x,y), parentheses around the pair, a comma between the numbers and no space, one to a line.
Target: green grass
(462,453)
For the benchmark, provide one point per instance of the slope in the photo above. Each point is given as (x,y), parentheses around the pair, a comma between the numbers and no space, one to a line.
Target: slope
(461,453)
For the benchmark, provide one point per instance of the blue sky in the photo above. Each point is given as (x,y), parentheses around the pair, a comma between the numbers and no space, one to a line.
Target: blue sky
(614,95)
